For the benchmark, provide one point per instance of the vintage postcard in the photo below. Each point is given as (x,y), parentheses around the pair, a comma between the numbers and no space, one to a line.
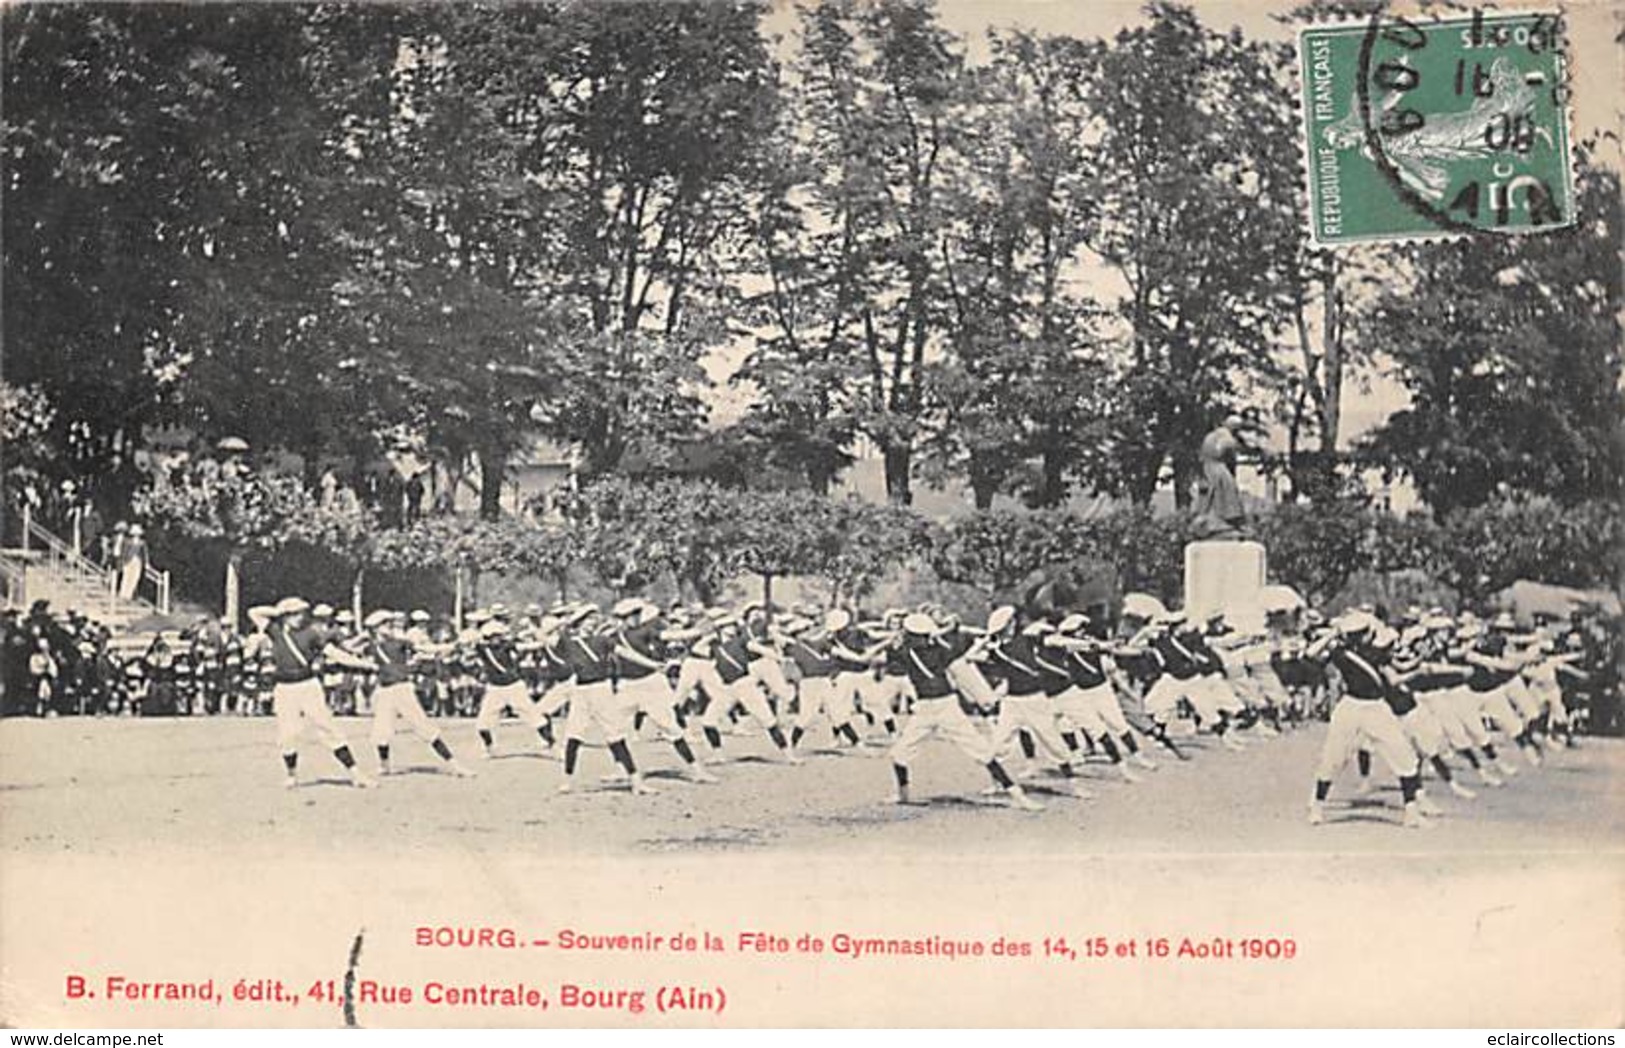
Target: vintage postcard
(847,513)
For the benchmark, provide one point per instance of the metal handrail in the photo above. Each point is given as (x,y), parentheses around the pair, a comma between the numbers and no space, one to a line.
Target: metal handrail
(61,552)
(160,585)
(13,583)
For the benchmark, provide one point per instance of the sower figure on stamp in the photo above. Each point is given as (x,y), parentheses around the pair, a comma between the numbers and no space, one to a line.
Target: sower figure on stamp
(1218,510)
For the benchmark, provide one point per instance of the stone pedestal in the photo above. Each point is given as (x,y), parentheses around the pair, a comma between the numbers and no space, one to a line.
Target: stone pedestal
(1225,576)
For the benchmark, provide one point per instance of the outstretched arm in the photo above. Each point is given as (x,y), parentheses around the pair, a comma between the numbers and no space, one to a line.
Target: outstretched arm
(338,656)
(636,657)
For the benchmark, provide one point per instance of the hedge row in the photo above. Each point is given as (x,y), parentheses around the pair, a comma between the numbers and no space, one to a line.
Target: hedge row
(693,538)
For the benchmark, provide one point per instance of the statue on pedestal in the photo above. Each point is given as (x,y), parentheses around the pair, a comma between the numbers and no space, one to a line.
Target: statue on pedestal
(1219,512)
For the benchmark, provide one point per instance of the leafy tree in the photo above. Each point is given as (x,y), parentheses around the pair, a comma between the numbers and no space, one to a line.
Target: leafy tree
(1317,548)
(1510,350)
(638,391)
(26,416)
(263,341)
(851,246)
(632,534)
(232,504)
(442,134)
(99,132)
(874,540)
(997,549)
(665,108)
(702,534)
(1490,546)
(1008,552)
(1020,382)
(1197,148)
(553,191)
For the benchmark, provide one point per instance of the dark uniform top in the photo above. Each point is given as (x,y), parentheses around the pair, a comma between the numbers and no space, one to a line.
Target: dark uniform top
(394,658)
(1088,668)
(295,653)
(591,656)
(1143,668)
(927,667)
(1178,661)
(498,661)
(757,634)
(1207,660)
(732,655)
(1484,678)
(645,640)
(897,663)
(1400,696)
(958,642)
(1433,650)
(1361,670)
(1016,660)
(855,640)
(555,667)
(1052,669)
(813,657)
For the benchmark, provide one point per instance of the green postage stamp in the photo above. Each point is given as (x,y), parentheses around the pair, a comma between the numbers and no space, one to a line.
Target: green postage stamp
(1420,127)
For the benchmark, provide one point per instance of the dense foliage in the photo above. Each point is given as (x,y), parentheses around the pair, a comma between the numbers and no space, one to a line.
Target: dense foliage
(328,229)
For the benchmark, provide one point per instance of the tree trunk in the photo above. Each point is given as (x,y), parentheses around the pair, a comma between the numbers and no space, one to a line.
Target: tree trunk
(311,465)
(234,565)
(355,593)
(1184,478)
(1143,481)
(898,458)
(1331,412)
(984,481)
(1331,419)
(457,599)
(819,478)
(493,464)
(982,491)
(1053,492)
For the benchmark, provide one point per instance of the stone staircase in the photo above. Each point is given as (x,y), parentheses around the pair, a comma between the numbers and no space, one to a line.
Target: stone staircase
(46,568)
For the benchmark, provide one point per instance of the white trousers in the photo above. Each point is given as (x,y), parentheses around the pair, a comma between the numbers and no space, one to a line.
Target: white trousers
(940,718)
(1094,710)
(399,701)
(653,697)
(599,705)
(819,695)
(1424,730)
(301,707)
(697,674)
(1365,724)
(769,673)
(1034,714)
(515,697)
(748,693)
(1208,696)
